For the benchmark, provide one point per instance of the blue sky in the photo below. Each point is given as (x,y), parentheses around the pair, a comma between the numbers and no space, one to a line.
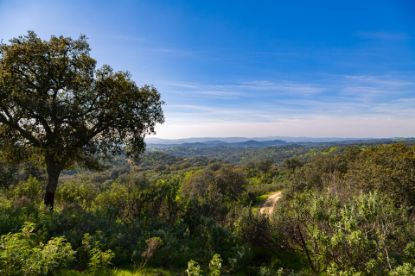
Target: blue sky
(251,68)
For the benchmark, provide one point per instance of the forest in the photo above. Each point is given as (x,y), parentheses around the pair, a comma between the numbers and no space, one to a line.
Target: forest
(81,195)
(345,210)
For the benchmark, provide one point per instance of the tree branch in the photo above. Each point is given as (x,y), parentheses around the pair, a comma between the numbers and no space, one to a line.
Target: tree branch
(22,131)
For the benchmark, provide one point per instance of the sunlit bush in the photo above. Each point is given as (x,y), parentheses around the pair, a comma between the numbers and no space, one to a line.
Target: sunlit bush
(22,253)
(362,235)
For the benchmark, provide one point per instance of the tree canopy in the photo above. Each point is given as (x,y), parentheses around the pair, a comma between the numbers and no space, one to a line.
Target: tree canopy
(53,99)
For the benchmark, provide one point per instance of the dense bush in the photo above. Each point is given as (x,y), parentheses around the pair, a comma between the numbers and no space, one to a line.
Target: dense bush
(365,234)
(23,253)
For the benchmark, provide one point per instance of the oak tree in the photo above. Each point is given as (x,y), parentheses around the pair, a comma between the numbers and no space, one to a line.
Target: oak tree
(55,101)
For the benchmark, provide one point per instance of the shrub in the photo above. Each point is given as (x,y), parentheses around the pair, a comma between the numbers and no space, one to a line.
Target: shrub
(76,193)
(98,260)
(406,269)
(362,235)
(193,268)
(21,253)
(153,244)
(27,191)
(215,265)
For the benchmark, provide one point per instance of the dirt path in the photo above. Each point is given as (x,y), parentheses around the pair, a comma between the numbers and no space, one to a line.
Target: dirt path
(268,207)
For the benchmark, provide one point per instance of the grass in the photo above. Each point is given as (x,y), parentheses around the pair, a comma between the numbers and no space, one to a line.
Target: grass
(262,198)
(259,200)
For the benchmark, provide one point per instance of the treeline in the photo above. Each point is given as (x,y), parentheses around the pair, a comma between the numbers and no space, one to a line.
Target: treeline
(344,211)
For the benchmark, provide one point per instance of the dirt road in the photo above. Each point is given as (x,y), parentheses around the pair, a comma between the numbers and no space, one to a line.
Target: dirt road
(268,207)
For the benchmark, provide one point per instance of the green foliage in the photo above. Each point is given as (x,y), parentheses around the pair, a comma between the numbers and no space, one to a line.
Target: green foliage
(269,271)
(254,229)
(28,191)
(213,191)
(362,234)
(193,269)
(99,260)
(215,265)
(388,168)
(76,193)
(224,183)
(405,269)
(21,253)
(409,252)
(332,218)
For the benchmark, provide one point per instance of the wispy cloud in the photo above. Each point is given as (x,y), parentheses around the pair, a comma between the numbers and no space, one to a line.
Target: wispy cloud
(374,90)
(383,35)
(285,87)
(243,89)
(370,97)
(186,113)
(384,82)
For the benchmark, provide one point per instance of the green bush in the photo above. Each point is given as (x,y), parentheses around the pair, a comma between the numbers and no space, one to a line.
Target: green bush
(28,191)
(76,193)
(405,269)
(98,259)
(215,265)
(21,253)
(362,235)
(193,268)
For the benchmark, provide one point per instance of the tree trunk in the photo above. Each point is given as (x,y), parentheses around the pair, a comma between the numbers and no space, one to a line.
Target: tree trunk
(304,245)
(53,170)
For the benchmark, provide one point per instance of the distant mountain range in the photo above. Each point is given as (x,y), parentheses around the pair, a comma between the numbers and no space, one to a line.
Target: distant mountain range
(218,143)
(256,140)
